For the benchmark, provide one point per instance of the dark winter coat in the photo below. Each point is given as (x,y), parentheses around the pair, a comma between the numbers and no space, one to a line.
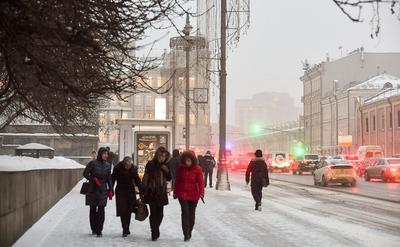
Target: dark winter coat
(258,172)
(173,165)
(154,182)
(209,163)
(97,195)
(125,193)
(189,184)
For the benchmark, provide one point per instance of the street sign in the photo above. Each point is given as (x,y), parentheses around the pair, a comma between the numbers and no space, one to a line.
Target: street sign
(345,141)
(200,95)
(180,43)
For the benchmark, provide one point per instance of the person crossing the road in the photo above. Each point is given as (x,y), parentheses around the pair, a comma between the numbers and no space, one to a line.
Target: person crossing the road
(258,172)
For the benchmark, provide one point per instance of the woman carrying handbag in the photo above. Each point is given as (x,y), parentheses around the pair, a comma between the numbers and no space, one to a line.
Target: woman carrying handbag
(126,177)
(98,173)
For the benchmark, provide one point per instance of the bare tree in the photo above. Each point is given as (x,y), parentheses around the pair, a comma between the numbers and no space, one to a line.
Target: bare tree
(60,59)
(353,10)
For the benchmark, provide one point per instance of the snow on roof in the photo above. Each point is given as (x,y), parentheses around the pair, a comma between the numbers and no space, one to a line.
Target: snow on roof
(378,82)
(23,163)
(35,146)
(383,95)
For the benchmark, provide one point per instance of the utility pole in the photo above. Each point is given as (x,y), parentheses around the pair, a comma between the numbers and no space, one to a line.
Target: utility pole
(187,29)
(222,174)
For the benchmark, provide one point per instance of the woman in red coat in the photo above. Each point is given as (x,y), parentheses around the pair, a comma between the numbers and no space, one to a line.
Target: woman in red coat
(189,188)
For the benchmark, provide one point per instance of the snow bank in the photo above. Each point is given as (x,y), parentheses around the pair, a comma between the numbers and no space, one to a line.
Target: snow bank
(22,163)
(32,146)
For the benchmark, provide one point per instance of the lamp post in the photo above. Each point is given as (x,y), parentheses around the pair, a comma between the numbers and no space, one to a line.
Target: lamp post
(186,31)
(222,174)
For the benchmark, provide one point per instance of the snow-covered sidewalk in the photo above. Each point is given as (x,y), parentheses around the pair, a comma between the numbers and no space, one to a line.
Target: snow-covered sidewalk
(291,216)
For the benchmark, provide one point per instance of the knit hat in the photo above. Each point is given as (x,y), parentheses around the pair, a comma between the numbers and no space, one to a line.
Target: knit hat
(127,160)
(258,153)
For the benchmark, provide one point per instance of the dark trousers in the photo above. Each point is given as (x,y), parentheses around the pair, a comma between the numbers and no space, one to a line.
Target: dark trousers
(256,191)
(208,173)
(188,209)
(156,216)
(96,217)
(125,222)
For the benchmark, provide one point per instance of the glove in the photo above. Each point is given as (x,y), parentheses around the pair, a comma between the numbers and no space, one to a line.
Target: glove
(97,181)
(110,194)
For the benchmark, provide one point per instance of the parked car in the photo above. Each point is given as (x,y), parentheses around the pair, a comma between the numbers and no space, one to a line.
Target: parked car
(387,169)
(306,164)
(335,171)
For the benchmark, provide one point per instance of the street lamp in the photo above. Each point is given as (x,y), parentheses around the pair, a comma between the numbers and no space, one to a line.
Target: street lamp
(186,31)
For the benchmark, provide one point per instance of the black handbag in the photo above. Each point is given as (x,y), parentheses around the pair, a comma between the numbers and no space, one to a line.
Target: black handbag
(141,212)
(85,188)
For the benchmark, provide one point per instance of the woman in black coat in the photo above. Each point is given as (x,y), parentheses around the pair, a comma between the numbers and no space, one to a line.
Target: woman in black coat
(98,172)
(154,185)
(126,176)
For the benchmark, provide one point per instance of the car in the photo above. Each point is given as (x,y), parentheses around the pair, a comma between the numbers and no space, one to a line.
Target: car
(387,169)
(279,162)
(359,167)
(306,164)
(239,164)
(335,171)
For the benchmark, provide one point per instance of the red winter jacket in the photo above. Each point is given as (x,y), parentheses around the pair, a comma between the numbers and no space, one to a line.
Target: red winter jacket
(189,183)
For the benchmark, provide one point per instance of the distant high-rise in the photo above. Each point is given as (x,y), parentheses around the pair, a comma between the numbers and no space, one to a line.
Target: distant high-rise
(263,110)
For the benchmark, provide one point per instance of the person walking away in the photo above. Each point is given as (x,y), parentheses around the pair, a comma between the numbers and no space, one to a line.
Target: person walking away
(154,186)
(126,177)
(173,165)
(209,164)
(258,171)
(98,172)
(189,188)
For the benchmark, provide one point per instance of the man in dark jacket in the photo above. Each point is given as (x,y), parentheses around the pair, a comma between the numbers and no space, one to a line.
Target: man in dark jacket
(173,165)
(258,171)
(98,172)
(127,177)
(154,185)
(209,164)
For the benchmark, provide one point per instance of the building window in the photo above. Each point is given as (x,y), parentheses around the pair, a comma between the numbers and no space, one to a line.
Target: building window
(191,82)
(373,123)
(366,125)
(159,82)
(138,100)
(149,100)
(150,81)
(383,122)
(390,120)
(181,118)
(398,118)
(192,119)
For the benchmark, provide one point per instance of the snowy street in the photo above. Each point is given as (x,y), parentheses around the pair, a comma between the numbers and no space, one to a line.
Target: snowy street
(292,216)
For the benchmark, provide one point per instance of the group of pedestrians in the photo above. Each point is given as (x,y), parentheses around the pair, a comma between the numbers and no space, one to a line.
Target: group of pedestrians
(188,188)
(188,175)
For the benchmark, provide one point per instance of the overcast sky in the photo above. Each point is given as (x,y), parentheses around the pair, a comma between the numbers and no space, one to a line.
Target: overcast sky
(284,33)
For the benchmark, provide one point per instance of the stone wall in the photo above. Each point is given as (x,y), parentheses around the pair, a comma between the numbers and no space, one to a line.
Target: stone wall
(27,195)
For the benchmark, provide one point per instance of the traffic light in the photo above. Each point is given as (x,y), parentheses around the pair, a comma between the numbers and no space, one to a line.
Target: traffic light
(256,129)
(299,149)
(184,132)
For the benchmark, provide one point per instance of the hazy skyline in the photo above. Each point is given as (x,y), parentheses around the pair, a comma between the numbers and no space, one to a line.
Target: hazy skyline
(282,34)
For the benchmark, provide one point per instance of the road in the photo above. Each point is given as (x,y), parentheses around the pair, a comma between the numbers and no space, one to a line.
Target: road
(375,188)
(292,215)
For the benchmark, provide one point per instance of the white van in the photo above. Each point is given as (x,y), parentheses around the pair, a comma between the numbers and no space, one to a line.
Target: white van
(370,151)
